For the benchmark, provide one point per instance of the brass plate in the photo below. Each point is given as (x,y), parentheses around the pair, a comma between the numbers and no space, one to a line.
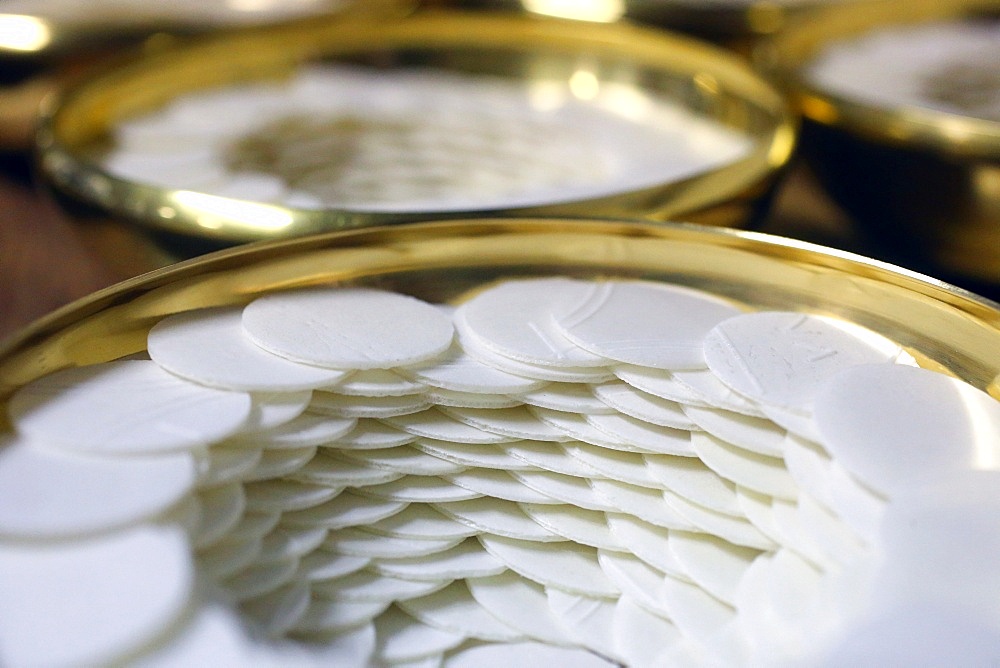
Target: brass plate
(944,327)
(709,81)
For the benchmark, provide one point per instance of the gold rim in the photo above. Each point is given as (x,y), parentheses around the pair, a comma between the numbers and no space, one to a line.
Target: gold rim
(945,327)
(785,56)
(718,83)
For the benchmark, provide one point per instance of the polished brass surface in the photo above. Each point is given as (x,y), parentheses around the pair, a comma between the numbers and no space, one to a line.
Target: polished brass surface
(736,25)
(924,184)
(944,327)
(709,81)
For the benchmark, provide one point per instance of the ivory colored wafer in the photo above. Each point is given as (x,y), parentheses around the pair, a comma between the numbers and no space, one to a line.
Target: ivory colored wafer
(420,489)
(564,489)
(287,495)
(221,510)
(586,527)
(689,478)
(643,323)
(345,510)
(643,406)
(331,469)
(368,586)
(457,370)
(420,521)
(348,328)
(372,435)
(454,609)
(468,559)
(646,541)
(375,383)
(549,457)
(640,636)
(642,502)
(636,579)
(571,397)
(435,424)
(94,601)
(402,459)
(588,619)
(260,578)
(225,464)
(714,564)
(280,462)
(128,407)
(345,406)
(321,565)
(276,612)
(659,383)
(781,358)
(766,475)
(208,346)
(402,638)
(751,433)
(497,517)
(285,542)
(516,423)
(564,565)
(306,430)
(470,455)
(737,530)
(273,409)
(517,319)
(643,435)
(331,614)
(895,425)
(226,558)
(520,604)
(361,542)
(499,485)
(49,493)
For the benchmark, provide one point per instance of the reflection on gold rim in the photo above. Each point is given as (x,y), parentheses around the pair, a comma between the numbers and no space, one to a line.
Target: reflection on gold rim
(945,327)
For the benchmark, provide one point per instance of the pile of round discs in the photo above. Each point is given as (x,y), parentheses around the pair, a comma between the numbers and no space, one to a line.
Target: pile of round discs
(417,140)
(555,470)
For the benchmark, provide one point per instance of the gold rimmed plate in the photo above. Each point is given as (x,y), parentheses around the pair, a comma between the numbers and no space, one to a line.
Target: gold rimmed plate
(946,328)
(916,170)
(551,63)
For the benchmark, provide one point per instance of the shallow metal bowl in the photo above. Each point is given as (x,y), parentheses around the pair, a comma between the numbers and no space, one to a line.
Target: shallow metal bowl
(944,327)
(705,80)
(923,184)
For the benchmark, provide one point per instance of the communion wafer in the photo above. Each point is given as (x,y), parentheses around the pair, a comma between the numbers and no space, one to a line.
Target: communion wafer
(384,518)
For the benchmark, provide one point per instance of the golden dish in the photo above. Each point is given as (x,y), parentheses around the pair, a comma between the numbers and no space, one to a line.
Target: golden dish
(944,327)
(921,179)
(576,58)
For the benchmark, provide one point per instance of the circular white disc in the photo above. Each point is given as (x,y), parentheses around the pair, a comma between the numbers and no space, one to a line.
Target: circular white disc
(210,347)
(48,494)
(647,324)
(780,358)
(454,609)
(461,372)
(516,319)
(91,602)
(348,328)
(893,425)
(466,560)
(565,565)
(125,407)
(519,603)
